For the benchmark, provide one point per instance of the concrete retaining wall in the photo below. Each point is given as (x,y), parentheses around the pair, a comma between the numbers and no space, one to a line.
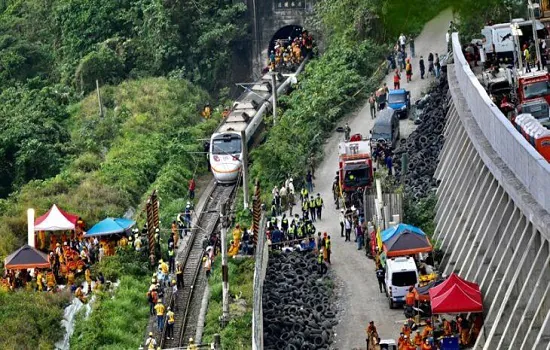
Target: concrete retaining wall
(260,268)
(492,221)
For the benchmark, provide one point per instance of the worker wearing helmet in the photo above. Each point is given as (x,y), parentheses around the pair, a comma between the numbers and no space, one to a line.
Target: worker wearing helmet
(192,345)
(151,343)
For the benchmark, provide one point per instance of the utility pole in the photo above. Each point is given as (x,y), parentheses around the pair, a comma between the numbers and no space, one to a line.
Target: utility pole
(225,271)
(274,91)
(244,146)
(533,24)
(99,98)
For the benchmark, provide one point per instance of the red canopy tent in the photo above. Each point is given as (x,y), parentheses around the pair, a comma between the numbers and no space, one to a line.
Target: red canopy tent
(455,300)
(55,220)
(470,288)
(26,257)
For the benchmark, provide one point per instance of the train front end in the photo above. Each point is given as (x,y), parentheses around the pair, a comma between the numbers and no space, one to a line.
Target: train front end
(225,157)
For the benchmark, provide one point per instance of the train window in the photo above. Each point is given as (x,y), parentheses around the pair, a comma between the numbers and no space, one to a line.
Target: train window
(227,145)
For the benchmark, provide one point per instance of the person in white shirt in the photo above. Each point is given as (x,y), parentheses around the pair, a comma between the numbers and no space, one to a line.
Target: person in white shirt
(402,42)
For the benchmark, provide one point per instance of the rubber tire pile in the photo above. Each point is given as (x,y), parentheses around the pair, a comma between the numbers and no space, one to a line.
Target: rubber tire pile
(297,313)
(424,144)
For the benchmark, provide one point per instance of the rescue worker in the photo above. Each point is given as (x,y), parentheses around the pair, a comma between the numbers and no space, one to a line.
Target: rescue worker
(401,342)
(347,132)
(417,339)
(170,319)
(192,186)
(447,331)
(328,247)
(310,228)
(187,216)
(312,207)
(372,104)
(305,208)
(406,330)
(79,293)
(422,67)
(426,345)
(371,328)
(336,192)
(151,343)
(321,262)
(171,259)
(88,276)
(40,280)
(159,309)
(206,111)
(380,276)
(396,80)
(427,329)
(284,224)
(207,266)
(292,231)
(192,345)
(304,195)
(319,205)
(408,70)
(179,275)
(137,242)
(70,278)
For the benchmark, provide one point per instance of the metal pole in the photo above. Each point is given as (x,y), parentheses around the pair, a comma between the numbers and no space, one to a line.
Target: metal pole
(535,38)
(225,274)
(99,98)
(274,91)
(245,168)
(515,34)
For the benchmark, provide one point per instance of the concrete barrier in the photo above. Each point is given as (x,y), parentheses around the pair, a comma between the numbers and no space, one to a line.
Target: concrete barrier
(260,268)
(532,170)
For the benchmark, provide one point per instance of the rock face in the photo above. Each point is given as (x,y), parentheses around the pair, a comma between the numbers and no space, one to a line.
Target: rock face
(424,144)
(297,310)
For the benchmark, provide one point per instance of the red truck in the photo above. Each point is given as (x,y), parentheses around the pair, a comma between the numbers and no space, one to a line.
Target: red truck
(355,171)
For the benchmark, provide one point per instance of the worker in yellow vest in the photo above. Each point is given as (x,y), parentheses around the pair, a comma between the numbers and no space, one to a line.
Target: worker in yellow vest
(170,320)
(39,280)
(319,205)
(159,309)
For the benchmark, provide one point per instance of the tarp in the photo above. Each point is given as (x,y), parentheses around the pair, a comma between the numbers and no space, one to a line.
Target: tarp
(26,257)
(110,226)
(407,242)
(397,229)
(468,287)
(55,220)
(455,301)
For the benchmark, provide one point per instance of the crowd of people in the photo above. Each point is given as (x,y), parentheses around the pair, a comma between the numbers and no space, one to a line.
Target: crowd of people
(288,53)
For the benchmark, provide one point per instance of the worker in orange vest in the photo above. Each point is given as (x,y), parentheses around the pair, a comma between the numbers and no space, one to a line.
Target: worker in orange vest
(402,342)
(418,339)
(409,298)
(427,330)
(447,331)
(397,80)
(406,330)
(426,345)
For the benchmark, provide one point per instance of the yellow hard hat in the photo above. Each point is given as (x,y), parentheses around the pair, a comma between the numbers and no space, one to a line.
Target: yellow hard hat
(204,258)
(150,334)
(161,261)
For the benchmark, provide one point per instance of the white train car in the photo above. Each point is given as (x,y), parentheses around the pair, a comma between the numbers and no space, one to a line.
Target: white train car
(225,150)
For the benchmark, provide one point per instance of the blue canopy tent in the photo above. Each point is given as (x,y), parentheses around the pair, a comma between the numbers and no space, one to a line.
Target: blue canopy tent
(398,229)
(110,226)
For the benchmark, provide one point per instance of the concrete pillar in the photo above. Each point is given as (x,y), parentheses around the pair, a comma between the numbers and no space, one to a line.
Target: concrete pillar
(452,188)
(524,300)
(468,174)
(492,258)
(452,124)
(487,208)
(499,310)
(30,227)
(465,223)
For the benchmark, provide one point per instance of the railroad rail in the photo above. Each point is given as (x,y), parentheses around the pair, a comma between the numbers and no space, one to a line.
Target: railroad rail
(185,308)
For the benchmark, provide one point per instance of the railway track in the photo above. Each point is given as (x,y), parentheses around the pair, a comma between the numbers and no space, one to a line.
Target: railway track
(186,305)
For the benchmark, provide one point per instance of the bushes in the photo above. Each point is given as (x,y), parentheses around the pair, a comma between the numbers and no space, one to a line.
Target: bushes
(117,320)
(237,333)
(31,320)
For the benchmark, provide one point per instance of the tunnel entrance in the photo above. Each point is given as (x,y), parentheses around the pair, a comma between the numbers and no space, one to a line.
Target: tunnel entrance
(286,32)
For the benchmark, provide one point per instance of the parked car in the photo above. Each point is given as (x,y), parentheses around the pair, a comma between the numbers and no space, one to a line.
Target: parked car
(400,101)
(386,128)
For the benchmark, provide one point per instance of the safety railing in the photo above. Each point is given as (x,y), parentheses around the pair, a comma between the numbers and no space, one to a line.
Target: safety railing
(260,268)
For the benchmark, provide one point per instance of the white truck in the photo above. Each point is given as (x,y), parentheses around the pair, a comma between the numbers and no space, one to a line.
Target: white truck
(498,42)
(401,274)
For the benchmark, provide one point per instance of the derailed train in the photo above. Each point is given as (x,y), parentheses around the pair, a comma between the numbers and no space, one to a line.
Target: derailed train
(247,114)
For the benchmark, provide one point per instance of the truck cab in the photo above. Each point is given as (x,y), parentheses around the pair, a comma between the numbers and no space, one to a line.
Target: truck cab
(355,164)
(400,102)
(537,107)
(401,274)
(534,85)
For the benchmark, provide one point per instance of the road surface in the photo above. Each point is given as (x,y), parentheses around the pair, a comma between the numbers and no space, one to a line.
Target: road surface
(359,298)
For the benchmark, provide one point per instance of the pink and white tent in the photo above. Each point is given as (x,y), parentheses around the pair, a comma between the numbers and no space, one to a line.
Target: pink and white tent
(55,220)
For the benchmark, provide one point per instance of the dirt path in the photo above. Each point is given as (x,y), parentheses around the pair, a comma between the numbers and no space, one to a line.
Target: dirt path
(358,295)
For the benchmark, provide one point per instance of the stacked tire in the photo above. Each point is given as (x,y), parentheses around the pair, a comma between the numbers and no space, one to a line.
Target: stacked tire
(297,312)
(425,143)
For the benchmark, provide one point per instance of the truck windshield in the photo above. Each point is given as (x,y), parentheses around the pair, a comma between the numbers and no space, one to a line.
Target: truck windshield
(397,98)
(536,89)
(403,279)
(227,145)
(357,177)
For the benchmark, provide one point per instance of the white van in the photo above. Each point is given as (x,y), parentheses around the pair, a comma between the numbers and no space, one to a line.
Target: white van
(401,274)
